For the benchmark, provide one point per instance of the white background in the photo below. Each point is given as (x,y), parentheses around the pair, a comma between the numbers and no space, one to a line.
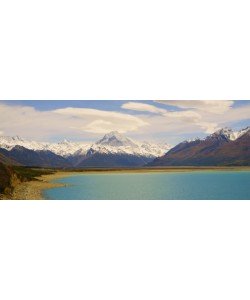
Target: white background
(124,249)
(133,49)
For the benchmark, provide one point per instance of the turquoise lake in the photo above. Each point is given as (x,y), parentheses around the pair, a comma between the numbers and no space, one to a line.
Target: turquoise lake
(187,185)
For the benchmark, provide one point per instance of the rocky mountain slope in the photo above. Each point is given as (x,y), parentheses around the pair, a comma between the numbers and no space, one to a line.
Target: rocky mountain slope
(224,147)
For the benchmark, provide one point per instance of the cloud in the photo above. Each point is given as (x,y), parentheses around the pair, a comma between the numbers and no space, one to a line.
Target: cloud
(186,116)
(71,123)
(208,127)
(189,117)
(102,121)
(211,106)
(143,107)
(233,115)
(98,126)
(88,124)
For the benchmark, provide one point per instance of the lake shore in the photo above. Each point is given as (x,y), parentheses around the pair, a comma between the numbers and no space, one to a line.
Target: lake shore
(33,190)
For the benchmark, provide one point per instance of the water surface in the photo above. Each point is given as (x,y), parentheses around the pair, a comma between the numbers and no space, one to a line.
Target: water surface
(163,185)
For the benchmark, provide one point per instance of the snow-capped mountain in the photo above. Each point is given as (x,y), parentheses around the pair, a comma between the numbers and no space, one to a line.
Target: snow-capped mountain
(241,132)
(112,144)
(223,133)
(8,142)
(223,147)
(64,148)
(229,134)
(115,139)
(116,143)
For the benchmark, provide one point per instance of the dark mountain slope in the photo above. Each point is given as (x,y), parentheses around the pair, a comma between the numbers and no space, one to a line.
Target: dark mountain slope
(8,161)
(28,157)
(236,152)
(216,150)
(100,160)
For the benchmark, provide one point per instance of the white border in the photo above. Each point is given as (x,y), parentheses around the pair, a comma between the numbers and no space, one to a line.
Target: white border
(124,250)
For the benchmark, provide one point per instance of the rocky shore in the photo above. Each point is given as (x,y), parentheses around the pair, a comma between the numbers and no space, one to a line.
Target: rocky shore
(33,190)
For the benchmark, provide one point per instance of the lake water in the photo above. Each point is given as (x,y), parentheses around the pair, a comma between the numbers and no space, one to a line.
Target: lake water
(177,185)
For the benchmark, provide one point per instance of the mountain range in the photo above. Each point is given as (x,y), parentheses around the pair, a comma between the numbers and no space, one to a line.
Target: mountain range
(222,148)
(113,150)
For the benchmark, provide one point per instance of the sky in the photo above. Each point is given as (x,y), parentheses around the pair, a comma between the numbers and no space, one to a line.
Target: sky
(170,121)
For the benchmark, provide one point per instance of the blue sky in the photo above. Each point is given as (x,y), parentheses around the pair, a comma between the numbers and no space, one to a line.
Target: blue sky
(164,121)
(110,105)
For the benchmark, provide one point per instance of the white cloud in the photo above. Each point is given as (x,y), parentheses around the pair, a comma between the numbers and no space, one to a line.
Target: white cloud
(98,126)
(234,115)
(101,126)
(69,122)
(211,106)
(89,124)
(143,107)
(102,121)
(208,127)
(186,116)
(190,117)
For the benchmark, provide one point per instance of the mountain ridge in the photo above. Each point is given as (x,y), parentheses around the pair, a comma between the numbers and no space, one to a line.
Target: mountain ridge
(112,150)
(223,147)
(220,148)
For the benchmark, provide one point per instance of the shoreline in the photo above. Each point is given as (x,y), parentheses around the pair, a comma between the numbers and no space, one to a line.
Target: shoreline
(33,190)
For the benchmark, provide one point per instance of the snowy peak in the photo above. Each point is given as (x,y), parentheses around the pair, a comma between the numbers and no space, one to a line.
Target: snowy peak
(64,148)
(8,143)
(17,138)
(196,139)
(229,134)
(222,134)
(116,143)
(64,142)
(115,139)
(225,133)
(111,143)
(242,132)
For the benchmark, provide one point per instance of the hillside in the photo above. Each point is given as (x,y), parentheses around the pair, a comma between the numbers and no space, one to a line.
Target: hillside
(7,160)
(39,158)
(8,178)
(11,176)
(222,148)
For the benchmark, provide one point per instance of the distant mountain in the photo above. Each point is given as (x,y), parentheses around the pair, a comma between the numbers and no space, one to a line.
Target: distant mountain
(224,147)
(115,139)
(64,148)
(113,150)
(39,158)
(101,160)
(116,150)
